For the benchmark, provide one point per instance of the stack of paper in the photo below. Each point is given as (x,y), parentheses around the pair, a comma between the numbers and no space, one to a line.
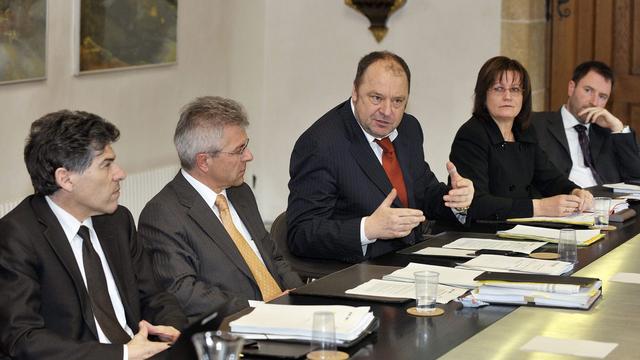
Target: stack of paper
(583,218)
(517,264)
(448,276)
(583,237)
(566,292)
(623,188)
(403,290)
(525,247)
(274,321)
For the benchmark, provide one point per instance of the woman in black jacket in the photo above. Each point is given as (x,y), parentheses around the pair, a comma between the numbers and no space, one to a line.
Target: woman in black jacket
(500,154)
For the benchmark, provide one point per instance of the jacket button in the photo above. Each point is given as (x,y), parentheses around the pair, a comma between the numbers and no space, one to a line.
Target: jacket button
(512,187)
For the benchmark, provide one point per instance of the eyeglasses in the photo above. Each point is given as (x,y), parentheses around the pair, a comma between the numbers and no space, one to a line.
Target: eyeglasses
(516,90)
(238,152)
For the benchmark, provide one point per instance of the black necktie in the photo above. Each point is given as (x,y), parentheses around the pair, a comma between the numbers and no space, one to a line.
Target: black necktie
(586,151)
(99,293)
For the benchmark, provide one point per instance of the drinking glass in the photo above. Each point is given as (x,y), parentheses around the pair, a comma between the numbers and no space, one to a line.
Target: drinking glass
(601,208)
(217,345)
(426,290)
(567,246)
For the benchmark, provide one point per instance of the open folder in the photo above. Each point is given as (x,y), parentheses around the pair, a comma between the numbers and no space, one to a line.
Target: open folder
(539,290)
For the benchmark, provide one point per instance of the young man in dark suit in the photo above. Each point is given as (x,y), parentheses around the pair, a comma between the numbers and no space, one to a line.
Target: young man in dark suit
(359,184)
(209,244)
(583,139)
(76,282)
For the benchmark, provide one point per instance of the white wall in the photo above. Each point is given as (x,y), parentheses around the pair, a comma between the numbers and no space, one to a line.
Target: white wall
(310,50)
(143,103)
(287,61)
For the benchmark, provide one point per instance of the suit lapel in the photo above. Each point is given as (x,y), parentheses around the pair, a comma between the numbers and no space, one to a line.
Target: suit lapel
(363,154)
(403,154)
(596,140)
(556,128)
(204,217)
(60,244)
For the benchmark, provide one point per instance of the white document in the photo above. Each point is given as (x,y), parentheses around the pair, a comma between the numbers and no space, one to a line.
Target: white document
(525,247)
(586,348)
(583,237)
(396,289)
(575,219)
(296,321)
(436,251)
(517,264)
(631,278)
(624,188)
(448,276)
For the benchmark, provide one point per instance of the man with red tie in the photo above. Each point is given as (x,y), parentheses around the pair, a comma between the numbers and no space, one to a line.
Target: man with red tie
(359,184)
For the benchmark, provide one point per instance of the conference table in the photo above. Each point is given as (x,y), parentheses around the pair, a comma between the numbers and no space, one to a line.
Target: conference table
(497,331)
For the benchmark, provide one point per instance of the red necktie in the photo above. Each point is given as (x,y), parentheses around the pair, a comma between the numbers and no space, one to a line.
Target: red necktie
(392,168)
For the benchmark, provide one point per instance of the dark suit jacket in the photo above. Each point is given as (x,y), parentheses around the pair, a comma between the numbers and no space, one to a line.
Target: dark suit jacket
(615,156)
(195,258)
(45,312)
(505,174)
(336,179)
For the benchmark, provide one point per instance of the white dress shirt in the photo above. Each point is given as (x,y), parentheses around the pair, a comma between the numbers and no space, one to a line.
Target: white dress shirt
(210,196)
(70,226)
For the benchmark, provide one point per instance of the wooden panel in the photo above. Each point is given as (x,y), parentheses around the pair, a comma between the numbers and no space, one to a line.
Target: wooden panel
(603,32)
(563,53)
(585,25)
(635,57)
(621,36)
(634,122)
(627,88)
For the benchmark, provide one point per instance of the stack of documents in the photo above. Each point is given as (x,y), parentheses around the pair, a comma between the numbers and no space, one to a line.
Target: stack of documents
(623,188)
(295,322)
(583,237)
(583,218)
(517,264)
(559,291)
(448,276)
(403,290)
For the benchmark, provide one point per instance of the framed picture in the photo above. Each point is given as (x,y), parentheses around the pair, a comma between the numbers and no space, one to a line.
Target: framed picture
(124,34)
(23,35)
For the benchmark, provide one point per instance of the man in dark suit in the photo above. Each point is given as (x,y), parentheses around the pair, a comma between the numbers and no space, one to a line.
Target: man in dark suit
(209,244)
(76,282)
(583,139)
(359,182)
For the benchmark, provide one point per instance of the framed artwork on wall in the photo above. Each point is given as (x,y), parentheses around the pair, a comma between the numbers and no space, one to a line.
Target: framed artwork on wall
(23,38)
(125,34)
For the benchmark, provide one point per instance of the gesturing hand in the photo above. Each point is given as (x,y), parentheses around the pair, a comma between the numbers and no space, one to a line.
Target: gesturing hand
(461,193)
(390,223)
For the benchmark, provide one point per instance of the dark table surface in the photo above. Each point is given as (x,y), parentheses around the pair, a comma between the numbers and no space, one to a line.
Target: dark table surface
(402,336)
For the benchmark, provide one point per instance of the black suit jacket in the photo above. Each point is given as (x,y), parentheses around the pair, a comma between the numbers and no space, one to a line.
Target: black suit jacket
(336,179)
(195,258)
(505,174)
(615,156)
(45,312)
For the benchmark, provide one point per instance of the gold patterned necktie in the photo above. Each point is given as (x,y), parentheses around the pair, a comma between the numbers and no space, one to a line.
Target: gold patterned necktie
(267,284)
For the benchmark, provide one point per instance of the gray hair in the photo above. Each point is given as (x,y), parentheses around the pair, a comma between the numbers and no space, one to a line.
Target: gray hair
(201,125)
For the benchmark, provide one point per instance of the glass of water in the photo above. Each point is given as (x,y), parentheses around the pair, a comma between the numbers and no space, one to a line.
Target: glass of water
(601,208)
(426,290)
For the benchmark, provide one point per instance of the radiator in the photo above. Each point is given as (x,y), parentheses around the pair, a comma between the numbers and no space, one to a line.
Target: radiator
(135,190)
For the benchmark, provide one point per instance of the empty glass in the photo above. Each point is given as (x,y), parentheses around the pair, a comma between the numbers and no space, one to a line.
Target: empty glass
(217,345)
(567,246)
(323,336)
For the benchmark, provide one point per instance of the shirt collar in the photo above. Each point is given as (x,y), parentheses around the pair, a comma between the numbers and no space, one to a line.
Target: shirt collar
(568,120)
(370,138)
(70,225)
(207,194)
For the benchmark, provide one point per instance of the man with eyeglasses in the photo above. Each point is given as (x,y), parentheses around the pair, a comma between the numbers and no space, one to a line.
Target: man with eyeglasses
(583,139)
(207,239)
(360,186)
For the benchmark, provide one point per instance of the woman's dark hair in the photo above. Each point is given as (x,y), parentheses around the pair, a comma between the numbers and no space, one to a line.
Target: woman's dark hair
(67,139)
(492,70)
